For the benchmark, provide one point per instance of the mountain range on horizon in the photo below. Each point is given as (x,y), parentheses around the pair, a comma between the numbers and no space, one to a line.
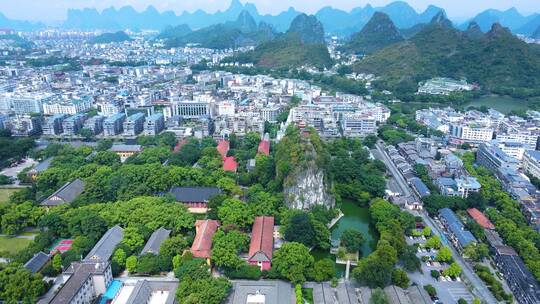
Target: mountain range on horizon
(335,21)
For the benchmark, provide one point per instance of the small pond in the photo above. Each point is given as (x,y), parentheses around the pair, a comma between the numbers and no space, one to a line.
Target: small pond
(355,217)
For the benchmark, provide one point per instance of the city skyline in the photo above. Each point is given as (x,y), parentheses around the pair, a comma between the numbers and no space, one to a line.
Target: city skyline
(459,10)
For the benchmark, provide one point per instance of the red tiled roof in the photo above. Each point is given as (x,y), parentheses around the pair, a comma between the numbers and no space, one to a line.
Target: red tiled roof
(480,218)
(223,148)
(264,147)
(230,164)
(202,245)
(262,236)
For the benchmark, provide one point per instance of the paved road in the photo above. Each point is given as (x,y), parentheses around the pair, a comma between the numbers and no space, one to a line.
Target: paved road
(478,285)
(405,189)
(29,237)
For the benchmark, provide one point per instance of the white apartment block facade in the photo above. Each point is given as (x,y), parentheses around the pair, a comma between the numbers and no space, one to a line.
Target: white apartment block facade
(471,133)
(68,107)
(531,163)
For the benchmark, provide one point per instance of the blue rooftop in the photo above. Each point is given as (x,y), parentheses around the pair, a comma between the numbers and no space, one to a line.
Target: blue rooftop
(115,117)
(111,291)
(420,187)
(455,226)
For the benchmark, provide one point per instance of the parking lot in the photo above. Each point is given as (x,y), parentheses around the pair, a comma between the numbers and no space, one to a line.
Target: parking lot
(448,290)
(14,170)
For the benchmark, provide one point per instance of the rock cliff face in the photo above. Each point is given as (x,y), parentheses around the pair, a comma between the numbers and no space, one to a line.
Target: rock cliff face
(301,159)
(307,189)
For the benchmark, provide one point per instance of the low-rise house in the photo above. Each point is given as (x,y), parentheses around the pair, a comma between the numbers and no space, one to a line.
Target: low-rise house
(419,187)
(223,148)
(262,242)
(230,164)
(458,187)
(104,248)
(154,242)
(459,236)
(262,291)
(202,245)
(264,147)
(37,262)
(42,166)
(126,151)
(195,198)
(65,195)
(153,291)
(480,218)
(447,186)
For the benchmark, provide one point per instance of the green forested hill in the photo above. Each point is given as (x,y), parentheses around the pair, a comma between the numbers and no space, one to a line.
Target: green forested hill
(378,33)
(303,44)
(288,51)
(498,61)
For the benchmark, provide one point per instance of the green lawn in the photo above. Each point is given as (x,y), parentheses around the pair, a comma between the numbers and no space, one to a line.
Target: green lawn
(13,245)
(5,194)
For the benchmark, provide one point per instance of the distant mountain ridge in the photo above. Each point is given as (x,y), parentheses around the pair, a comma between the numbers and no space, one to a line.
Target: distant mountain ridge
(335,21)
(243,31)
(7,23)
(511,18)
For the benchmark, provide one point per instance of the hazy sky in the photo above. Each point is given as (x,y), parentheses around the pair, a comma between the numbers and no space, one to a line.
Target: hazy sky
(51,10)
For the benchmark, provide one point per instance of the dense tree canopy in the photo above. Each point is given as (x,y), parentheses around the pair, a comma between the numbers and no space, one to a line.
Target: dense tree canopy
(293,262)
(352,240)
(302,227)
(226,248)
(19,284)
(13,149)
(234,212)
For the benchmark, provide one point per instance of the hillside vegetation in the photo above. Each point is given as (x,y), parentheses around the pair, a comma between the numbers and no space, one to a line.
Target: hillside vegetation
(302,45)
(378,33)
(498,61)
